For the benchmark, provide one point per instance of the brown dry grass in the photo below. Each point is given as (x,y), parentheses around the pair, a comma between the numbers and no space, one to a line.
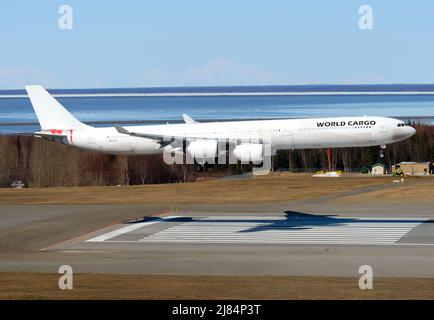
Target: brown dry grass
(401,194)
(107,286)
(264,189)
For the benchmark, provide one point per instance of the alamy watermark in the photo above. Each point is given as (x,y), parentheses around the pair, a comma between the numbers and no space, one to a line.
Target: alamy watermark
(366,281)
(66,19)
(254,149)
(366,19)
(66,280)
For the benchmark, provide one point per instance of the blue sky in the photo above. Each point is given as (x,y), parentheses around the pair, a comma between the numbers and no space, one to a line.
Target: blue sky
(204,42)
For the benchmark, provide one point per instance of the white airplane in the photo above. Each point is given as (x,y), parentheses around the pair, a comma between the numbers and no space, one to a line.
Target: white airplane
(201,140)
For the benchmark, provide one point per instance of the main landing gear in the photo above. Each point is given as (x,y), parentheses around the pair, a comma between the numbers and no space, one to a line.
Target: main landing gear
(202,165)
(199,167)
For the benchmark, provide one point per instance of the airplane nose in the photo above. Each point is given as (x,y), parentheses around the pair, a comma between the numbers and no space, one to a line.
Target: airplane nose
(403,133)
(411,131)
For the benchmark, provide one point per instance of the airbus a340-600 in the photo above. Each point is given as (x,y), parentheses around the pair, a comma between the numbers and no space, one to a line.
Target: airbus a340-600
(201,140)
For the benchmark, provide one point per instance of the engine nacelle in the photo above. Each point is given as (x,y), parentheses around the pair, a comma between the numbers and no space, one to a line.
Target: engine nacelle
(249,152)
(202,149)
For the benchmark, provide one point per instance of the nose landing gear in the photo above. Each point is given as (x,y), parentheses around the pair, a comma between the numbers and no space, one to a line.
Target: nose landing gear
(381,152)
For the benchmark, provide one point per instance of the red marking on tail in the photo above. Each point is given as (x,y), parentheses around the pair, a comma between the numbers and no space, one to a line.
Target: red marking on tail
(56,131)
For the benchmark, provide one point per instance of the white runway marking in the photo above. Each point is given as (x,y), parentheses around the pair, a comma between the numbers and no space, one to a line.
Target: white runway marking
(294,230)
(126,229)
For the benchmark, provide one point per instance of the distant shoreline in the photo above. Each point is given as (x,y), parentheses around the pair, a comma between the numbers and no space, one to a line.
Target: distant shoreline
(256,90)
(216,94)
(175,121)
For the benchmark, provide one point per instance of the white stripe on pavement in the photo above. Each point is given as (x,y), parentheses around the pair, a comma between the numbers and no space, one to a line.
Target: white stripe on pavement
(126,229)
(298,230)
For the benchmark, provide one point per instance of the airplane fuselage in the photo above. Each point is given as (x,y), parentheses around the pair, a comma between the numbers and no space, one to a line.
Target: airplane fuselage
(336,132)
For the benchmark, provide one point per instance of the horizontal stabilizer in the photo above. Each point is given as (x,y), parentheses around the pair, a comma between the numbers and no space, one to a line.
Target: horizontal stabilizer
(51,137)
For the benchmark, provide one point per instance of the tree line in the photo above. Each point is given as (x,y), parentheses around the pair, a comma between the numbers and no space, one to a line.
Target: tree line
(39,163)
(418,148)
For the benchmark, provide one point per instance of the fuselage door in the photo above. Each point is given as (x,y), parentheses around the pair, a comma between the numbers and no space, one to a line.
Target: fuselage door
(381,132)
(91,138)
(287,138)
(383,127)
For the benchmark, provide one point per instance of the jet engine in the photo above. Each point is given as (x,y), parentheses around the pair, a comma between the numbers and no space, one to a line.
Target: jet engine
(201,150)
(249,152)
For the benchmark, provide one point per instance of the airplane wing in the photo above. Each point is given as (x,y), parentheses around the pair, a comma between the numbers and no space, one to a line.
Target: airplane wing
(163,140)
(188,119)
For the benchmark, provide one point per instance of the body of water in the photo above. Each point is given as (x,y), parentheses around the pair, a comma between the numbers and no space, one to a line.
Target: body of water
(124,109)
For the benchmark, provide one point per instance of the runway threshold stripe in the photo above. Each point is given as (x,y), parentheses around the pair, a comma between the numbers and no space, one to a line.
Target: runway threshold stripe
(223,227)
(277,242)
(273,236)
(270,230)
(325,237)
(135,242)
(291,228)
(292,232)
(270,233)
(186,226)
(127,229)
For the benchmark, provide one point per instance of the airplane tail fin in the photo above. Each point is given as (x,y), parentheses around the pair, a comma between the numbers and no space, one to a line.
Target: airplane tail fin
(51,114)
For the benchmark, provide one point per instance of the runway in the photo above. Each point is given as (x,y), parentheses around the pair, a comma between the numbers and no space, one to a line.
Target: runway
(293,228)
(310,238)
